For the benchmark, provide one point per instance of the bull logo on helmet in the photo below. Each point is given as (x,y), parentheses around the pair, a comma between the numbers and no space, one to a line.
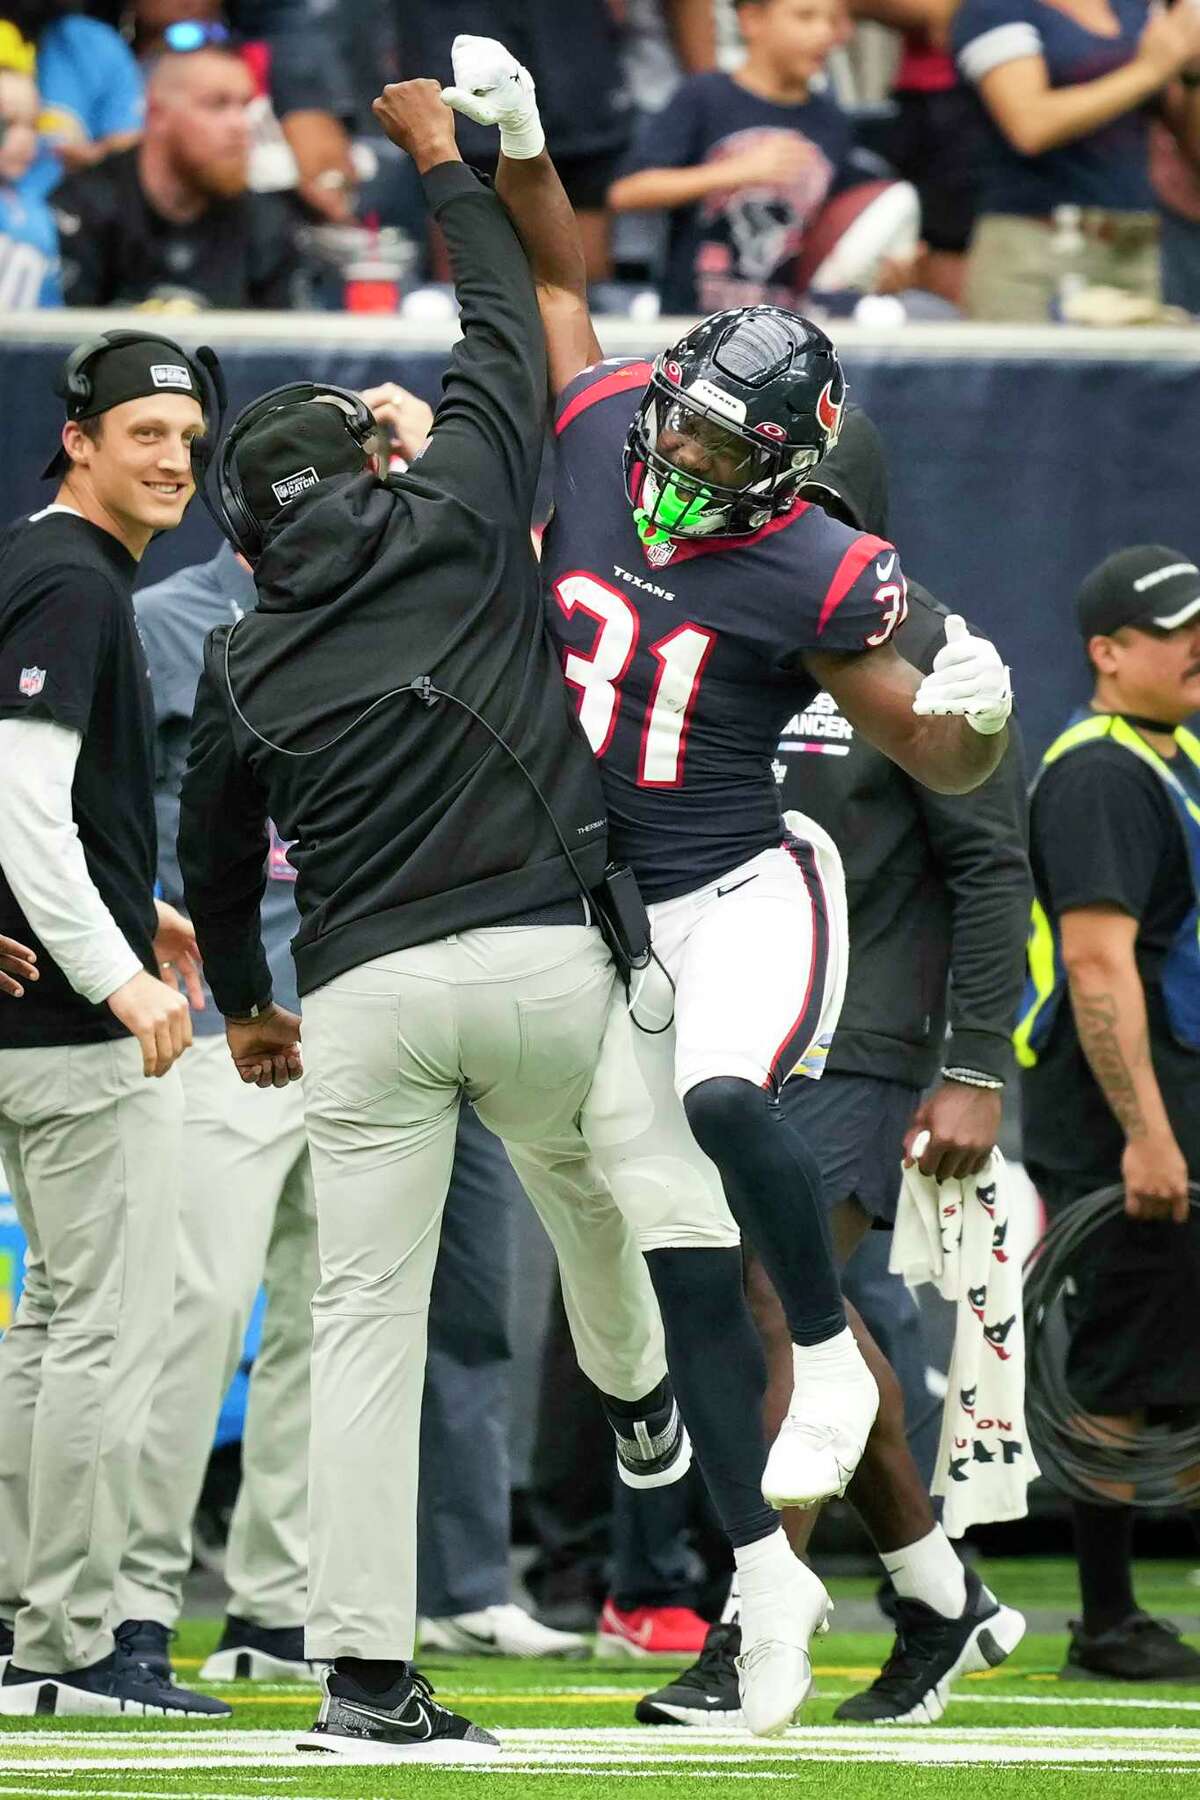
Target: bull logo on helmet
(829,414)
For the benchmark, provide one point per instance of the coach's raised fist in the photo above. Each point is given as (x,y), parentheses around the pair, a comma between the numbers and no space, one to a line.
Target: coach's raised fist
(414,116)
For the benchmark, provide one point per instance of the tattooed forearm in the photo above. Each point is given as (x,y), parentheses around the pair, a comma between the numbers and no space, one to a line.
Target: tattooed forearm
(1097,1019)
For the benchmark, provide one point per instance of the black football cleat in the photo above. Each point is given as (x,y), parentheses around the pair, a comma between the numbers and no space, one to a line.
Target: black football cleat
(705,1694)
(404,1724)
(1138,1649)
(930,1653)
(653,1450)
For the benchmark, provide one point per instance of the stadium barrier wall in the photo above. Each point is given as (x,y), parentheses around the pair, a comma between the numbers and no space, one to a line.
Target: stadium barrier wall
(1018,457)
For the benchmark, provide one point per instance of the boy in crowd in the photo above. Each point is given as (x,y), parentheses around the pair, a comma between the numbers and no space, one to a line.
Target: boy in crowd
(745,162)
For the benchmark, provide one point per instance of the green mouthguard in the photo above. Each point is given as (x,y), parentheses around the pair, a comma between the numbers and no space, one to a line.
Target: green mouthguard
(674,512)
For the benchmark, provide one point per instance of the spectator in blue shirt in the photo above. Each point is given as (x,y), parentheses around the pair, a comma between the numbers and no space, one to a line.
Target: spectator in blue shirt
(28,239)
(1069,96)
(744,162)
(90,87)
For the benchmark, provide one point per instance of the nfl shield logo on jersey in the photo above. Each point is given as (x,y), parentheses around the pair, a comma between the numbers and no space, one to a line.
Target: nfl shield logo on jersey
(32,682)
(659,555)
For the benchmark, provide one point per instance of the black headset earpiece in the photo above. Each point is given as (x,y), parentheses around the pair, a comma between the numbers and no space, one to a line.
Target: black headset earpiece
(227,502)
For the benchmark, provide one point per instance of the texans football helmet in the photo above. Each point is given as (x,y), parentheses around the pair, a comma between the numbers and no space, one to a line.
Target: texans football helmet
(734,418)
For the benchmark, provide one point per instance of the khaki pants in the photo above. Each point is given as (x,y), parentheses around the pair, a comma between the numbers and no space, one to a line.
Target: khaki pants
(512,1018)
(91,1151)
(246,1213)
(1012,274)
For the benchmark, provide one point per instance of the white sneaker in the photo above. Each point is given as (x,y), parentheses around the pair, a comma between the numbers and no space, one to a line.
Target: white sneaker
(499,1631)
(822,1439)
(774,1668)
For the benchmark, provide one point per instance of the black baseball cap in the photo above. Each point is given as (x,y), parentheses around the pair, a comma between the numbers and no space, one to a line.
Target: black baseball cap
(124,371)
(1145,585)
(293,449)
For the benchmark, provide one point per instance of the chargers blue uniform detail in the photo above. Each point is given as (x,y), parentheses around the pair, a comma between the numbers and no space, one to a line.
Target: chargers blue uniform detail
(685,658)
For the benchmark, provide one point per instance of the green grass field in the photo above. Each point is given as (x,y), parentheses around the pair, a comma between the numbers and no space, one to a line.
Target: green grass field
(568,1730)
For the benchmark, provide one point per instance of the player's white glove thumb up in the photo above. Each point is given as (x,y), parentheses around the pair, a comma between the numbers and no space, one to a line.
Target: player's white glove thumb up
(968,680)
(491,87)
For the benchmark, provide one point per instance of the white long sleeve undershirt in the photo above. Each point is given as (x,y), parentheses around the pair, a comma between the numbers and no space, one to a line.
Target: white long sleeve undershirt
(43,859)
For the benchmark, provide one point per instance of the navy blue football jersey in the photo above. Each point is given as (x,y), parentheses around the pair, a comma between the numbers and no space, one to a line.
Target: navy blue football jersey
(685,657)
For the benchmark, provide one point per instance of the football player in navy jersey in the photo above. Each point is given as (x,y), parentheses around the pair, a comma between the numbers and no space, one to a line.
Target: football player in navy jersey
(698,602)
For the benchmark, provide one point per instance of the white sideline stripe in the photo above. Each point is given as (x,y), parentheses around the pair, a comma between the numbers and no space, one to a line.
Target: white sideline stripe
(222,1746)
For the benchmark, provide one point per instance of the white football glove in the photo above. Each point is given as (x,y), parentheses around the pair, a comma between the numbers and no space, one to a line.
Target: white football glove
(491,87)
(968,680)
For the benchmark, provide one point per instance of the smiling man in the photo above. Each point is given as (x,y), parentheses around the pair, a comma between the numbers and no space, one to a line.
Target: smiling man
(90,1147)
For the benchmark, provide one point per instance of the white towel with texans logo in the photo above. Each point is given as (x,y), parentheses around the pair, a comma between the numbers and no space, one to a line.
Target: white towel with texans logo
(955,1235)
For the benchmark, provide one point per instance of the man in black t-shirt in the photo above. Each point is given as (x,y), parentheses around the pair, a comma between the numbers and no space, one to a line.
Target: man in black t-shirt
(1110,1042)
(174,214)
(90,1147)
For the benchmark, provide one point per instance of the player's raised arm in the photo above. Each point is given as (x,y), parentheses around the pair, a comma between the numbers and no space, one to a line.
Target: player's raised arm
(949,730)
(491,87)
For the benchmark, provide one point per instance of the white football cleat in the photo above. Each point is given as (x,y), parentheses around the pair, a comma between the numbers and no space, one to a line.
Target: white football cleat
(828,1421)
(499,1631)
(774,1668)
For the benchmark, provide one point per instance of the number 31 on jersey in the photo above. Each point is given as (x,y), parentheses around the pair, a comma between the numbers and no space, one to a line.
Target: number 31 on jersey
(597,677)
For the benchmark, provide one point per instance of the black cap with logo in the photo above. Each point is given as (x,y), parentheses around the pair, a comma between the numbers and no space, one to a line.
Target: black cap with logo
(292,450)
(110,374)
(1147,585)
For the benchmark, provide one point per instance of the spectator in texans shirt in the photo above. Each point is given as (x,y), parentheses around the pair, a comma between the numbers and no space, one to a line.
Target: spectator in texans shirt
(1069,93)
(744,162)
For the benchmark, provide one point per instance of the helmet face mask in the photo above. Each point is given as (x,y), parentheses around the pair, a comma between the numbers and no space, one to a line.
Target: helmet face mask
(734,419)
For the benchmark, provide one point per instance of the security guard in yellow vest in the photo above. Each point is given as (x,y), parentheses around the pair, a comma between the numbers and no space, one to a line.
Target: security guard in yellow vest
(1109,1044)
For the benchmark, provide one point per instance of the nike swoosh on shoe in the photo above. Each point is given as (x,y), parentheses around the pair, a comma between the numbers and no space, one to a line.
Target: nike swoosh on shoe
(391,1721)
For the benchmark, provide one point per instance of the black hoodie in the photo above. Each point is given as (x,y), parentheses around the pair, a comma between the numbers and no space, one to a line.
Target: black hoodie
(938,885)
(408,822)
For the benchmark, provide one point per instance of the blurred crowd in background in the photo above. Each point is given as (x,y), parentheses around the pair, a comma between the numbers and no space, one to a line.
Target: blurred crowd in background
(1006,160)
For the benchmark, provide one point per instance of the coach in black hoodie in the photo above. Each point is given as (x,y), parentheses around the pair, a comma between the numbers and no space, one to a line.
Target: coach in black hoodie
(444,946)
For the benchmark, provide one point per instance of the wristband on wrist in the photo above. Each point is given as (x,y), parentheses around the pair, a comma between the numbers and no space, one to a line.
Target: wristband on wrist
(974,1078)
(523,140)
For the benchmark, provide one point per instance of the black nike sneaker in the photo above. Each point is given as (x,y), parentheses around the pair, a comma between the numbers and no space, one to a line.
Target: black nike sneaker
(930,1653)
(705,1694)
(114,1686)
(403,1724)
(1138,1649)
(250,1652)
(653,1448)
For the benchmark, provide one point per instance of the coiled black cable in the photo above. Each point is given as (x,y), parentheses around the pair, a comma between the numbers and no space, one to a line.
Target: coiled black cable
(1160,1461)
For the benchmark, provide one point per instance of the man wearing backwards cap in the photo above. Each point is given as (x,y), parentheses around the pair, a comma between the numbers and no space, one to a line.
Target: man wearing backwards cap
(89,1145)
(1109,1042)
